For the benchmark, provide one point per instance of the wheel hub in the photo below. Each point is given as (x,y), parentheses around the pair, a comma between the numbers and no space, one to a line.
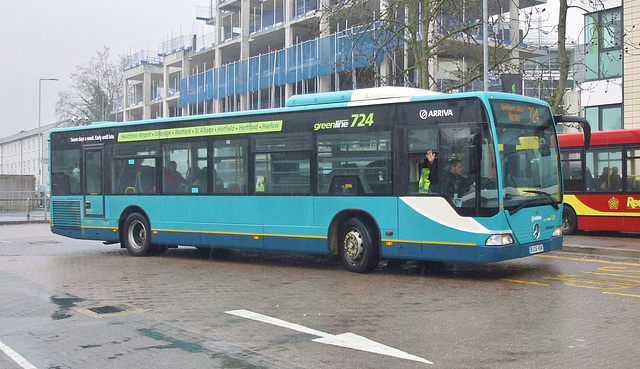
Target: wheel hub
(137,234)
(354,245)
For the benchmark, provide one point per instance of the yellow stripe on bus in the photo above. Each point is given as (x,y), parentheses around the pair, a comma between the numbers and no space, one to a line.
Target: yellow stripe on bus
(286,235)
(582,209)
(433,242)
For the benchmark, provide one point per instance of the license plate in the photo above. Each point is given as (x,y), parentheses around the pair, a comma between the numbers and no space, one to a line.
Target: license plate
(536,249)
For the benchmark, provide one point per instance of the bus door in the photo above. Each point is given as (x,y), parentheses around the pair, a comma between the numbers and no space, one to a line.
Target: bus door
(93,181)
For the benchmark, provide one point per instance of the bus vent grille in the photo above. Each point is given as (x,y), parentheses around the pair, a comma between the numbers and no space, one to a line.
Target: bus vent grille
(65,213)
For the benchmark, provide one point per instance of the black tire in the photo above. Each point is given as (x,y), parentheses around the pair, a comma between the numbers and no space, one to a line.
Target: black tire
(569,220)
(358,248)
(137,235)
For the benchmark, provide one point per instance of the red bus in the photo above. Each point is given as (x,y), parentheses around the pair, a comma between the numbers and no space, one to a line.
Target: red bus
(601,182)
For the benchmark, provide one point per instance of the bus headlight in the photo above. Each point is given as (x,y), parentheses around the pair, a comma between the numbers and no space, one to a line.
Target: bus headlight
(557,232)
(499,240)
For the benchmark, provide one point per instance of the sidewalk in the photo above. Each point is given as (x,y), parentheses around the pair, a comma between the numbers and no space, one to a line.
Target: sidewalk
(604,244)
(35,216)
(625,245)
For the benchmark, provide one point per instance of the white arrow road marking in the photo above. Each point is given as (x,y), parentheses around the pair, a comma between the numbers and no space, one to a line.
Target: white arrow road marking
(347,340)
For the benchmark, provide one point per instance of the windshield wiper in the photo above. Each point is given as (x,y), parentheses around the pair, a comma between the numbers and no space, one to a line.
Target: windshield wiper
(517,208)
(554,203)
(523,205)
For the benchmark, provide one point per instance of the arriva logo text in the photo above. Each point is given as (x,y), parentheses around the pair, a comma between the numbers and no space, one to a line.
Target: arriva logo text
(424,114)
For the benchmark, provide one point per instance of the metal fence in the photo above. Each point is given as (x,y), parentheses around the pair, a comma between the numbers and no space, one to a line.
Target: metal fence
(27,205)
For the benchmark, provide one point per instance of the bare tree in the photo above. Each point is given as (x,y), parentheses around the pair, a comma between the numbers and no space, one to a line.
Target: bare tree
(437,43)
(94,89)
(563,58)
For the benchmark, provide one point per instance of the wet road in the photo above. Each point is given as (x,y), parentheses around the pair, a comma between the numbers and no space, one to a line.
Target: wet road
(80,304)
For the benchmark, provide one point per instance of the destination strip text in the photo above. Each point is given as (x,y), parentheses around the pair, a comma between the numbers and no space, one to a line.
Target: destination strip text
(213,130)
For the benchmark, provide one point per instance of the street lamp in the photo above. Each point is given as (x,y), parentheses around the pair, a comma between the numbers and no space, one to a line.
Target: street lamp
(40,126)
(485,45)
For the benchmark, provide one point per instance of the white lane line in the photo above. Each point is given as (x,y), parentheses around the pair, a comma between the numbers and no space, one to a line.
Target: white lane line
(16,357)
(347,340)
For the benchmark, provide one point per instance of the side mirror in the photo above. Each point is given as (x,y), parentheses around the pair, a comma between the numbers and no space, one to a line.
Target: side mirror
(586,128)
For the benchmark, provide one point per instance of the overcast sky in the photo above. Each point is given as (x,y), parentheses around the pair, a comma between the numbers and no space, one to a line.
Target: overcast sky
(48,39)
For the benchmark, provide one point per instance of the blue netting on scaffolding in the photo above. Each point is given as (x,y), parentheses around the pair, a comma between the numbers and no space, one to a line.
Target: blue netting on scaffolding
(319,57)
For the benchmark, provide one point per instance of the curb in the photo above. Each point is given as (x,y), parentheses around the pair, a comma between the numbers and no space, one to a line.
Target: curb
(602,251)
(18,222)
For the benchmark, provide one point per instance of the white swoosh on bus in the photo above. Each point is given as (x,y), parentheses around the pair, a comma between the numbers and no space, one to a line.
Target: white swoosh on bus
(439,210)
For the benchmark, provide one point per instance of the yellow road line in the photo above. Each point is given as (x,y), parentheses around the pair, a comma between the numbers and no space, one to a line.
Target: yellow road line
(622,277)
(621,294)
(525,282)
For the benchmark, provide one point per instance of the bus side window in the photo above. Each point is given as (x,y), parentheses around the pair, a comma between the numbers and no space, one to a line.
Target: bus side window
(147,179)
(65,172)
(572,172)
(283,172)
(230,170)
(60,184)
(605,164)
(136,178)
(420,142)
(633,170)
(366,156)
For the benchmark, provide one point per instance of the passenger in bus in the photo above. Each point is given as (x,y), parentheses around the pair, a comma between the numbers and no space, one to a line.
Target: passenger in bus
(428,174)
(75,178)
(615,182)
(202,179)
(219,186)
(603,179)
(173,180)
(237,187)
(456,185)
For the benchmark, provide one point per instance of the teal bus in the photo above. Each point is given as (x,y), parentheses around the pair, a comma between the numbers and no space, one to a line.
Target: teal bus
(370,174)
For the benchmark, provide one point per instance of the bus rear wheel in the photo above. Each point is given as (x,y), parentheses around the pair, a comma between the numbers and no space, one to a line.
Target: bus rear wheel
(137,235)
(569,221)
(358,249)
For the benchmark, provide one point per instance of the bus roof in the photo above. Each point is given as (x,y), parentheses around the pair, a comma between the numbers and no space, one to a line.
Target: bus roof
(365,94)
(325,100)
(601,138)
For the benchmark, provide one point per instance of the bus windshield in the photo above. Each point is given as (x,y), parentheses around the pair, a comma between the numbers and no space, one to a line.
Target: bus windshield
(528,154)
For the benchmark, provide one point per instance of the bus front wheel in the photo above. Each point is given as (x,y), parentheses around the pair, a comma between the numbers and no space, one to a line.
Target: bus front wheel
(569,221)
(358,249)
(137,236)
